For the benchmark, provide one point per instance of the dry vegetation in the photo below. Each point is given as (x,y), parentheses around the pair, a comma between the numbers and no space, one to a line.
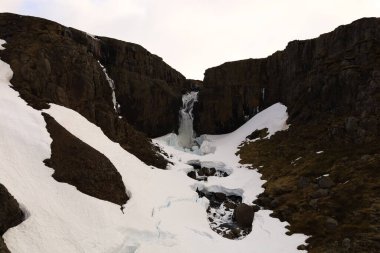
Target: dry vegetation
(341,211)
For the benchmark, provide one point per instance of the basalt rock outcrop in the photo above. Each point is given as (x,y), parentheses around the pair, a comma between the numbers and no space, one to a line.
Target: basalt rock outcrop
(56,64)
(333,73)
(76,163)
(147,89)
(10,215)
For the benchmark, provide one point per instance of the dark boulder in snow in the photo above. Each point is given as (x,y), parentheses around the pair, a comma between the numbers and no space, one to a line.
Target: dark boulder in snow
(10,214)
(192,174)
(76,163)
(220,196)
(243,215)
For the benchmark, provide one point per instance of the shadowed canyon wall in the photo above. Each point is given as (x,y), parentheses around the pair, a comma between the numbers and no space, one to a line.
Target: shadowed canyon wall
(328,74)
(56,64)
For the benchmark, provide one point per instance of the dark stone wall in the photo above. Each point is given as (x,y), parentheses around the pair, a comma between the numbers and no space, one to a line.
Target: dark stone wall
(328,74)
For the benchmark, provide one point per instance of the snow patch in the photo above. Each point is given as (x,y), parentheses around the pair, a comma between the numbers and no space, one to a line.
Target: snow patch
(2,42)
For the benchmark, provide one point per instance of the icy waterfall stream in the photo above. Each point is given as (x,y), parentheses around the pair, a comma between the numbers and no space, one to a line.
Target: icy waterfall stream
(186,131)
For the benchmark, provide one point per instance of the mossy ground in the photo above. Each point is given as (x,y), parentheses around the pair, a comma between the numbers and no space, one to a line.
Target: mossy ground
(293,192)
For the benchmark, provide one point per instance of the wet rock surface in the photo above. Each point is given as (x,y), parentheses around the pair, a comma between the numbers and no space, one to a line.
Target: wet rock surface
(76,163)
(10,215)
(202,173)
(228,216)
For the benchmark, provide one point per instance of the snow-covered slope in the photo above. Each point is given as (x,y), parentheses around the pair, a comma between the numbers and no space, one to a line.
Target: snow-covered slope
(164,212)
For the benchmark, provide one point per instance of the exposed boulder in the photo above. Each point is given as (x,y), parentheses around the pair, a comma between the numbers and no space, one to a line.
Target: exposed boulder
(10,215)
(192,174)
(202,173)
(228,216)
(243,214)
(220,196)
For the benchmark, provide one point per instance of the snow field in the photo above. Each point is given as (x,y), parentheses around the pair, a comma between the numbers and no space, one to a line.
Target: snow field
(164,213)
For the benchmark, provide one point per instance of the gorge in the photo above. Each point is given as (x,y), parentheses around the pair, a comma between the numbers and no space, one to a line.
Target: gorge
(175,151)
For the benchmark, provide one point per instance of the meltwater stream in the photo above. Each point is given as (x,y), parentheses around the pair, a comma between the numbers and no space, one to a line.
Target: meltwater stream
(185,131)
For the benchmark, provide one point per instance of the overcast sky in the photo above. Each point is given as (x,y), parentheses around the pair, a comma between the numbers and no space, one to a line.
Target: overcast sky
(193,35)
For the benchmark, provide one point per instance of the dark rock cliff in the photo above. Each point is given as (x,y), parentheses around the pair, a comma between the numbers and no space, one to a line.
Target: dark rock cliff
(331,86)
(322,173)
(328,74)
(147,89)
(53,63)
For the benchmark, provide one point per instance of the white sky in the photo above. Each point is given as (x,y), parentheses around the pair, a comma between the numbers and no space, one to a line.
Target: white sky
(193,35)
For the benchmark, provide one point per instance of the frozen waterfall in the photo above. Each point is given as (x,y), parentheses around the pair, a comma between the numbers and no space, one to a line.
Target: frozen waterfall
(185,131)
(186,139)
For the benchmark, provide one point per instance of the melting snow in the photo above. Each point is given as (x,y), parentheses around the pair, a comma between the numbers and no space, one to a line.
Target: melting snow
(164,213)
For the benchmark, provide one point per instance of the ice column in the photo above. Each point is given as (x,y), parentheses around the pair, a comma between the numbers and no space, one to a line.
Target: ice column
(111,83)
(185,131)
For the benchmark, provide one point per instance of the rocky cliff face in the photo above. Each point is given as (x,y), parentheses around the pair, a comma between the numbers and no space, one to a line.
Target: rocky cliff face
(329,74)
(147,89)
(319,172)
(56,64)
